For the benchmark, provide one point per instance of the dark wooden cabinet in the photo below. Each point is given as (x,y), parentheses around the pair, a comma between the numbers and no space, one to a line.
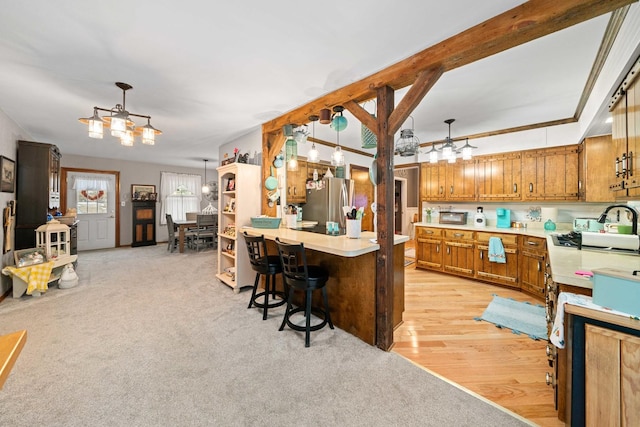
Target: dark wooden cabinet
(144,223)
(37,189)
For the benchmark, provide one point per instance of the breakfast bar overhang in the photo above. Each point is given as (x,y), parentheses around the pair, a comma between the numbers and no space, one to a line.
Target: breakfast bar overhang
(352,275)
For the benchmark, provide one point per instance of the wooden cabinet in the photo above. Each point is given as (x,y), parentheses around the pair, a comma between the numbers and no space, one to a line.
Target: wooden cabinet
(432,181)
(458,252)
(429,248)
(502,273)
(596,160)
(499,177)
(550,173)
(144,223)
(633,139)
(37,189)
(460,181)
(612,375)
(235,209)
(533,258)
(297,184)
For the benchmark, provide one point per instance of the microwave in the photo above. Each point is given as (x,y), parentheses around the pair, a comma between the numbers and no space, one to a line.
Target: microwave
(458,218)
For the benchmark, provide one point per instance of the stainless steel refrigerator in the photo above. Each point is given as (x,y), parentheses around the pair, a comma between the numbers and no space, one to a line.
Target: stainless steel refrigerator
(326,203)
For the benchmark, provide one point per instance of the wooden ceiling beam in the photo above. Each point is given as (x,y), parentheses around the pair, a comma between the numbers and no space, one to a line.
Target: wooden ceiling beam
(413,97)
(522,24)
(362,115)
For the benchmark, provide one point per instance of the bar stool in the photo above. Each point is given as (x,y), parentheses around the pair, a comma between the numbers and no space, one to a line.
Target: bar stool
(264,264)
(299,276)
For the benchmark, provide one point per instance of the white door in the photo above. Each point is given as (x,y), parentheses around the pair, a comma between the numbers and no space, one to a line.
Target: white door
(94,197)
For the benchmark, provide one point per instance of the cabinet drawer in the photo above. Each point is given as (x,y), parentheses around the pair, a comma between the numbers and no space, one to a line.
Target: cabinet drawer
(458,234)
(507,239)
(534,243)
(428,232)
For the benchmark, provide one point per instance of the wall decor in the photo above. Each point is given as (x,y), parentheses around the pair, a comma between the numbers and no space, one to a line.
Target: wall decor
(142,191)
(8,177)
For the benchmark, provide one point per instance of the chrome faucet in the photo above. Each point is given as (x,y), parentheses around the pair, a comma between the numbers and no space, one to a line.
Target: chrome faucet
(634,216)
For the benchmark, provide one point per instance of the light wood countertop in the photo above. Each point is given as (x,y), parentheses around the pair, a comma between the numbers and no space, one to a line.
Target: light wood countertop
(337,245)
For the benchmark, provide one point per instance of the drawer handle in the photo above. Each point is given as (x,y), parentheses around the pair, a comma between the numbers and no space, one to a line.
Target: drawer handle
(458,234)
(530,243)
(428,231)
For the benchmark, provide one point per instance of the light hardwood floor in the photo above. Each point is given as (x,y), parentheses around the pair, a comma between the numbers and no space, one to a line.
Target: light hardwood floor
(439,333)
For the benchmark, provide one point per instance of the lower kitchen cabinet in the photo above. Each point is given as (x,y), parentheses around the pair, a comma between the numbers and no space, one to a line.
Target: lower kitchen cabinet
(533,256)
(458,252)
(429,248)
(502,273)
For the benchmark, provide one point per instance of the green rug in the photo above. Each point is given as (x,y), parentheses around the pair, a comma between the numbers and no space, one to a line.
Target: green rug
(520,317)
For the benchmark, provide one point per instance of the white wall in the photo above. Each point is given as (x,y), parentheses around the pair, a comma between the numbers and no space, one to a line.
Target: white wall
(10,132)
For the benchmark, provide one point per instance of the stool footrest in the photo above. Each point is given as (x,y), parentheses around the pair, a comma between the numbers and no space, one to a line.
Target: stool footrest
(320,314)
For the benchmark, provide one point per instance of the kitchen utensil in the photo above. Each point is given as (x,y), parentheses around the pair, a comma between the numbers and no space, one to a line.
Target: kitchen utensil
(278,161)
(271,183)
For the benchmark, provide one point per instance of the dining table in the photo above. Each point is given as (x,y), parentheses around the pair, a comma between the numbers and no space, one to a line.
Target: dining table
(183,225)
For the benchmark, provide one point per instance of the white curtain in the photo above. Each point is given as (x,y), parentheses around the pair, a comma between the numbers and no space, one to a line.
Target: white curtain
(179,193)
(92,182)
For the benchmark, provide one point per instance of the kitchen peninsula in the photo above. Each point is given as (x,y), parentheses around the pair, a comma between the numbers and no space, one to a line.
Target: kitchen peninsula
(352,275)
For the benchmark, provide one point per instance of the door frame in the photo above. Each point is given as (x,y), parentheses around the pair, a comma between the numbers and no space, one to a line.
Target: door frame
(63,193)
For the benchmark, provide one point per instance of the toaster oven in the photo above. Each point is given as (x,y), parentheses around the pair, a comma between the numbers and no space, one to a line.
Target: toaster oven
(458,218)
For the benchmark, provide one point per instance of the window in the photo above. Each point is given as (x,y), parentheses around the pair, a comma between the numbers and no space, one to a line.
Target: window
(92,194)
(180,193)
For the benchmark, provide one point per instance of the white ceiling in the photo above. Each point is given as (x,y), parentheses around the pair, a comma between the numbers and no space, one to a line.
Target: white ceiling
(209,72)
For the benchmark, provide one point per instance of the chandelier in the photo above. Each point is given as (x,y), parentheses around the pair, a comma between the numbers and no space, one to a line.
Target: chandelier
(120,123)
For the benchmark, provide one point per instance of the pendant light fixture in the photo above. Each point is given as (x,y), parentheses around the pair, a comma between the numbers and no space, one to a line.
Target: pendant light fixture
(467,150)
(408,144)
(325,116)
(205,186)
(119,122)
(433,154)
(337,158)
(449,148)
(291,147)
(338,121)
(313,155)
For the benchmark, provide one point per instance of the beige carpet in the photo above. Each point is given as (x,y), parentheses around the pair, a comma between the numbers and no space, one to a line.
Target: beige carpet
(151,338)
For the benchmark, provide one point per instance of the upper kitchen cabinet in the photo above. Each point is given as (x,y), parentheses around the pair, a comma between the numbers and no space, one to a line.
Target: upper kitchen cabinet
(595,167)
(432,181)
(499,177)
(624,179)
(550,173)
(461,181)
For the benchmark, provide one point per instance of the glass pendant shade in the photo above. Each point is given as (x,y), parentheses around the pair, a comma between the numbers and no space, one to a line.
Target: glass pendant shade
(339,123)
(313,155)
(96,126)
(452,158)
(149,134)
(467,153)
(205,186)
(127,138)
(447,149)
(291,150)
(433,155)
(118,125)
(407,145)
(337,158)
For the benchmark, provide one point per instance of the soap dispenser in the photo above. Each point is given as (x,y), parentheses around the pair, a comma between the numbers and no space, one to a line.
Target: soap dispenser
(480,220)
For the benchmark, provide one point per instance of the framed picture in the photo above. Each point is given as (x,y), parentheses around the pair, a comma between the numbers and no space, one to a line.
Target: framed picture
(8,175)
(153,196)
(28,257)
(231,184)
(142,192)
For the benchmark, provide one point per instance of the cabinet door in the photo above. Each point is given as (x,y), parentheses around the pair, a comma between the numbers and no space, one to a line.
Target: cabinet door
(499,177)
(532,267)
(612,367)
(550,174)
(429,253)
(596,167)
(633,139)
(501,273)
(461,181)
(458,258)
(296,184)
(432,181)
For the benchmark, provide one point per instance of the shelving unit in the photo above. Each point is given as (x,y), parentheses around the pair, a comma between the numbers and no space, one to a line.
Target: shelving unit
(240,189)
